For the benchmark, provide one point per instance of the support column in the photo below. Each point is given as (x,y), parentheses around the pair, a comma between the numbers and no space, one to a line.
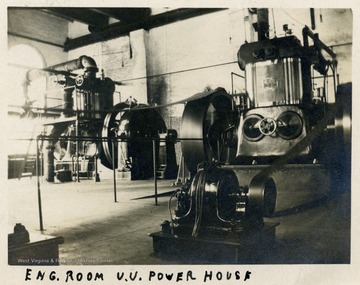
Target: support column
(138,50)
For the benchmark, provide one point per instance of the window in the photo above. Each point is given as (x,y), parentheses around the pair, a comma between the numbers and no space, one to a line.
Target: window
(24,125)
(21,59)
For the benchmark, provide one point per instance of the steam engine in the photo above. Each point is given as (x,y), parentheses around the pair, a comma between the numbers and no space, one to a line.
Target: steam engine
(281,118)
(91,127)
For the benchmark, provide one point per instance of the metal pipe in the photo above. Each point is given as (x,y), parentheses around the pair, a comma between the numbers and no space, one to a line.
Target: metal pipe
(38,184)
(77,148)
(232,84)
(155,178)
(95,138)
(113,167)
(183,168)
(97,177)
(232,80)
(308,33)
(335,75)
(263,24)
(83,62)
(312,16)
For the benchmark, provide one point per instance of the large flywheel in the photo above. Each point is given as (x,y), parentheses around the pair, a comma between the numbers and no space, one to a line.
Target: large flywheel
(343,119)
(339,163)
(109,131)
(206,128)
(134,126)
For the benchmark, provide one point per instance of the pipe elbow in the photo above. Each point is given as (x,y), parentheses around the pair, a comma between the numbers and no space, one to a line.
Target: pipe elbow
(88,63)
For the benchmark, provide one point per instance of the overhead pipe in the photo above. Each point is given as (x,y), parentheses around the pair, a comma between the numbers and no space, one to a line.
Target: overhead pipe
(307,33)
(83,62)
(263,24)
(312,17)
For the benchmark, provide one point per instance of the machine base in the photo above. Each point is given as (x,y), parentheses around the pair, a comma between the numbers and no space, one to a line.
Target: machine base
(41,250)
(248,247)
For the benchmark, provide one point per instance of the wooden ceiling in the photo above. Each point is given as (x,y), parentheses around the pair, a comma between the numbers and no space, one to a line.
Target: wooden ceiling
(99,18)
(108,23)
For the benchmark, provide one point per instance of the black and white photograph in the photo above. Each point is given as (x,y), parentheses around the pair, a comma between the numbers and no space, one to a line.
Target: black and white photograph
(179,142)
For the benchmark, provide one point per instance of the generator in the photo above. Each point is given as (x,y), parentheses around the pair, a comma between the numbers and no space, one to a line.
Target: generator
(282,118)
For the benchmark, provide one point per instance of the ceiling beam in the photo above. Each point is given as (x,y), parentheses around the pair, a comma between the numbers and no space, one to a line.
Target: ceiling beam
(125,14)
(119,29)
(82,15)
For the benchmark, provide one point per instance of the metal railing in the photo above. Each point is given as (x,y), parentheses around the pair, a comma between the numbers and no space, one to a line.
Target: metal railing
(113,141)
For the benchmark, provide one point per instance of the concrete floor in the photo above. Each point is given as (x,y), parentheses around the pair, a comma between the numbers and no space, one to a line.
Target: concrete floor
(314,226)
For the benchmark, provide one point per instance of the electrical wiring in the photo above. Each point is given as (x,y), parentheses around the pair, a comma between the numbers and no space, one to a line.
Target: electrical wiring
(291,17)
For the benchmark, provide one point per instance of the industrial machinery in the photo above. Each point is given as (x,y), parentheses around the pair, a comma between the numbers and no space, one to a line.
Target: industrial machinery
(137,128)
(286,116)
(85,98)
(282,118)
(90,127)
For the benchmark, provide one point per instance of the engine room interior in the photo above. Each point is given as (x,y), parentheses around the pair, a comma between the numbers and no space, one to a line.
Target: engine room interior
(179,136)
